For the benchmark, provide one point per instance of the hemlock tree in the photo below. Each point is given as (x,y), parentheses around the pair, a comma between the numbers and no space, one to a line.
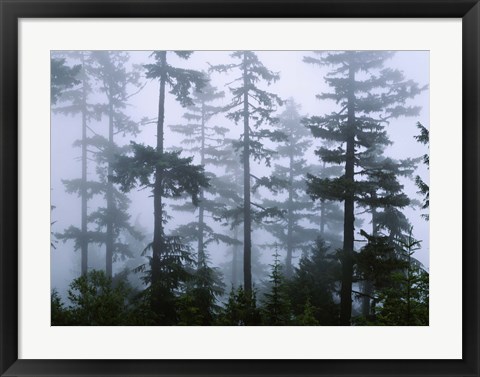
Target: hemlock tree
(72,102)
(253,106)
(167,175)
(115,80)
(368,96)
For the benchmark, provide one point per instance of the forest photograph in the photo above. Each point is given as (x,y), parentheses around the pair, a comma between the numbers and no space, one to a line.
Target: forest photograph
(239,188)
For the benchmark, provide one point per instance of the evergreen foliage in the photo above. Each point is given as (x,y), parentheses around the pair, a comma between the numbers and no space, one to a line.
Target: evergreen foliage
(276,303)
(95,301)
(368,96)
(313,286)
(167,175)
(199,305)
(290,179)
(401,295)
(208,141)
(212,187)
(255,107)
(424,189)
(240,309)
(76,100)
(62,77)
(111,220)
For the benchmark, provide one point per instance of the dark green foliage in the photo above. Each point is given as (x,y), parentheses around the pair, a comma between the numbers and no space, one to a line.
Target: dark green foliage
(276,303)
(167,278)
(407,302)
(407,306)
(167,175)
(198,305)
(95,300)
(181,81)
(313,287)
(172,275)
(401,284)
(307,318)
(179,175)
(240,309)
(377,262)
(60,315)
(368,97)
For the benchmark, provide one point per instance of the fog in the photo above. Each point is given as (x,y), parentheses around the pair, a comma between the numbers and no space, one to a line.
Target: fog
(298,81)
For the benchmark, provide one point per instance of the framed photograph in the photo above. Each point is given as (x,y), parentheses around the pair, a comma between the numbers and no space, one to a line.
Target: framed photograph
(239,188)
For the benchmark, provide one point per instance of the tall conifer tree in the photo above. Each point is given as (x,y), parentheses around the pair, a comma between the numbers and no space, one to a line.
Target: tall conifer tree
(168,175)
(76,101)
(254,107)
(115,80)
(368,96)
(291,179)
(206,140)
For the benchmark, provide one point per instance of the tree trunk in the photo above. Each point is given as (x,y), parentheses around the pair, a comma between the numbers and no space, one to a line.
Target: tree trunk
(158,241)
(288,261)
(247,232)
(235,260)
(83,194)
(349,217)
(368,288)
(409,285)
(200,248)
(110,201)
(322,213)
(322,217)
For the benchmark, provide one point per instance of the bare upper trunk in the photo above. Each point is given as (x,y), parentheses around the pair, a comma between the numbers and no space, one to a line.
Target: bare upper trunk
(348,226)
(247,227)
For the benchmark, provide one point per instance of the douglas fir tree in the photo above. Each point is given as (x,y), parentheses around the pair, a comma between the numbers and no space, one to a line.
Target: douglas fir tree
(254,107)
(167,175)
(368,96)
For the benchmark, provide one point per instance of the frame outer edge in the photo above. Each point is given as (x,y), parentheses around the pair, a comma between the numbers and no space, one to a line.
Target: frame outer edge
(8,188)
(11,12)
(471,165)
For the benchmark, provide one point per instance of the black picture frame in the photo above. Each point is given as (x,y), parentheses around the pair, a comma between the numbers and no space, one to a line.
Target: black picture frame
(12,11)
